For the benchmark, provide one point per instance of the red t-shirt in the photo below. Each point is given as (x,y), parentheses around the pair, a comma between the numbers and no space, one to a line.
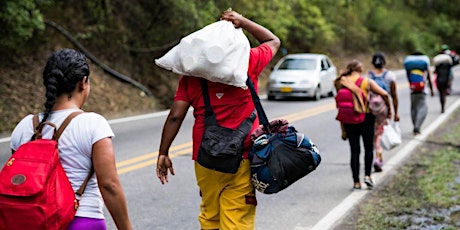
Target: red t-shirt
(232,105)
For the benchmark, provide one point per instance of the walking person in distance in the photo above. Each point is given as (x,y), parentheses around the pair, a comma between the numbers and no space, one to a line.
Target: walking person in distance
(418,74)
(353,80)
(386,79)
(444,76)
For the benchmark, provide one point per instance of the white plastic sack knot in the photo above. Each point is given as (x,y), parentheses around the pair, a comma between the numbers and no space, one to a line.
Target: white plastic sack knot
(218,52)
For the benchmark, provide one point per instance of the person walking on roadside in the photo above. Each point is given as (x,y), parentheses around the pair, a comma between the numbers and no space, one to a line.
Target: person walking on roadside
(386,79)
(443,76)
(227,200)
(86,143)
(365,129)
(455,61)
(418,73)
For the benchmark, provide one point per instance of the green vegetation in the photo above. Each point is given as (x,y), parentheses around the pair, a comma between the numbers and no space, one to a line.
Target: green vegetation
(423,193)
(128,35)
(302,25)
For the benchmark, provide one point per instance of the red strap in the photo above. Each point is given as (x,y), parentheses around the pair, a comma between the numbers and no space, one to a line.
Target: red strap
(359,81)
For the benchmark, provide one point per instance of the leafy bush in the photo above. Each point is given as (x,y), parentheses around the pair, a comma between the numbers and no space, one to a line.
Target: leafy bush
(19,20)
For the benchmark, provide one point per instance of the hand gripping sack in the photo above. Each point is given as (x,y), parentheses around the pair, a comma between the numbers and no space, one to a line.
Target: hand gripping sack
(280,158)
(35,192)
(218,52)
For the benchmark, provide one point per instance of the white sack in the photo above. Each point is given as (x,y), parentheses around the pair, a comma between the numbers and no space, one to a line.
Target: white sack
(442,58)
(391,136)
(218,52)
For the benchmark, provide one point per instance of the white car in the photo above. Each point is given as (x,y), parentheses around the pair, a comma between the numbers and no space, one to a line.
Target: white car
(302,75)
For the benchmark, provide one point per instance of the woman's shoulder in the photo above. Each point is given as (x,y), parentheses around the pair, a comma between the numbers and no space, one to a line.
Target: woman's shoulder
(25,122)
(389,74)
(92,116)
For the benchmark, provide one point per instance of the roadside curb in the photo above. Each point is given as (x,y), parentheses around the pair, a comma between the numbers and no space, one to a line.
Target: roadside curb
(339,213)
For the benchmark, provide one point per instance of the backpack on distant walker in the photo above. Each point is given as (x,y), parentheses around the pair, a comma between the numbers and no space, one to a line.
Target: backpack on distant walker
(346,109)
(380,80)
(415,66)
(35,192)
(377,107)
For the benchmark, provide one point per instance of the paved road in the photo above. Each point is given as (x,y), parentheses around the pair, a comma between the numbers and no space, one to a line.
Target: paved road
(304,205)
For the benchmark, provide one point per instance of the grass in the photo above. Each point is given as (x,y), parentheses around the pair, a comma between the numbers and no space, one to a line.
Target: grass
(424,193)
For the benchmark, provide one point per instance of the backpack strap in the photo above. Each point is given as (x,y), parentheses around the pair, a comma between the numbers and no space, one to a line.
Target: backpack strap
(65,123)
(85,182)
(209,116)
(359,81)
(372,74)
(384,74)
(56,137)
(35,121)
(56,134)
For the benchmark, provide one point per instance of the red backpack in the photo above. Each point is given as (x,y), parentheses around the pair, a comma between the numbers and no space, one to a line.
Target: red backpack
(35,192)
(346,110)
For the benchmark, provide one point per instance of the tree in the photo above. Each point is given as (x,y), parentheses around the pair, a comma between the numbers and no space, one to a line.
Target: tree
(19,20)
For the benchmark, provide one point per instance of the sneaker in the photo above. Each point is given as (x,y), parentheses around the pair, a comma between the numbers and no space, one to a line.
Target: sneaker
(368,181)
(378,165)
(356,186)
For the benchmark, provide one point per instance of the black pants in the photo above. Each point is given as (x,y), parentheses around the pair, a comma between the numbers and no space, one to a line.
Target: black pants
(354,132)
(442,88)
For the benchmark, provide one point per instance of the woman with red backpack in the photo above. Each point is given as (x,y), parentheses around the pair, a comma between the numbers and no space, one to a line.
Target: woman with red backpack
(84,146)
(352,130)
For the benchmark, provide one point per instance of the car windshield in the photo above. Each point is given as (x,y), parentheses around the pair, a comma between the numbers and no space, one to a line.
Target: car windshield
(300,64)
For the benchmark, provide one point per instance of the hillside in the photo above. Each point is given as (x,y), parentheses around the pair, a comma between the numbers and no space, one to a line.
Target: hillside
(22,93)
(128,35)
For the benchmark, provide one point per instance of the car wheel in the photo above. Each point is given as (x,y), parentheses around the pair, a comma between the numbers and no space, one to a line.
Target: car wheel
(317,95)
(332,93)
(270,97)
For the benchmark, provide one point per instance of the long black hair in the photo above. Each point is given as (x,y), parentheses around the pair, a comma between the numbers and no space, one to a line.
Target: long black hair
(63,70)
(378,60)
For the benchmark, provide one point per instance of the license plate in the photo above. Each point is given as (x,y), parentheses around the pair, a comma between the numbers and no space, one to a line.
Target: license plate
(286,89)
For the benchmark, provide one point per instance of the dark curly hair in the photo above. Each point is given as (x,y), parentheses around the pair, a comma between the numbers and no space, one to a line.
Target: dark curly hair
(63,70)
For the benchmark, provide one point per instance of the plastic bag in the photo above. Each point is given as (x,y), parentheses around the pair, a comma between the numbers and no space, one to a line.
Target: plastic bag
(218,52)
(391,136)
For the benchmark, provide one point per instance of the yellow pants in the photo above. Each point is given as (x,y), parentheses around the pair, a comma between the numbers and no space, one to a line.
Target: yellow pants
(227,200)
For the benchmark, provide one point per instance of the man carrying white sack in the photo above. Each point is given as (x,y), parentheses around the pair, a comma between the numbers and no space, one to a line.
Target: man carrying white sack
(227,200)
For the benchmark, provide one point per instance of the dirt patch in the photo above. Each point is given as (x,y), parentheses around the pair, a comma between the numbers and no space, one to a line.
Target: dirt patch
(22,93)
